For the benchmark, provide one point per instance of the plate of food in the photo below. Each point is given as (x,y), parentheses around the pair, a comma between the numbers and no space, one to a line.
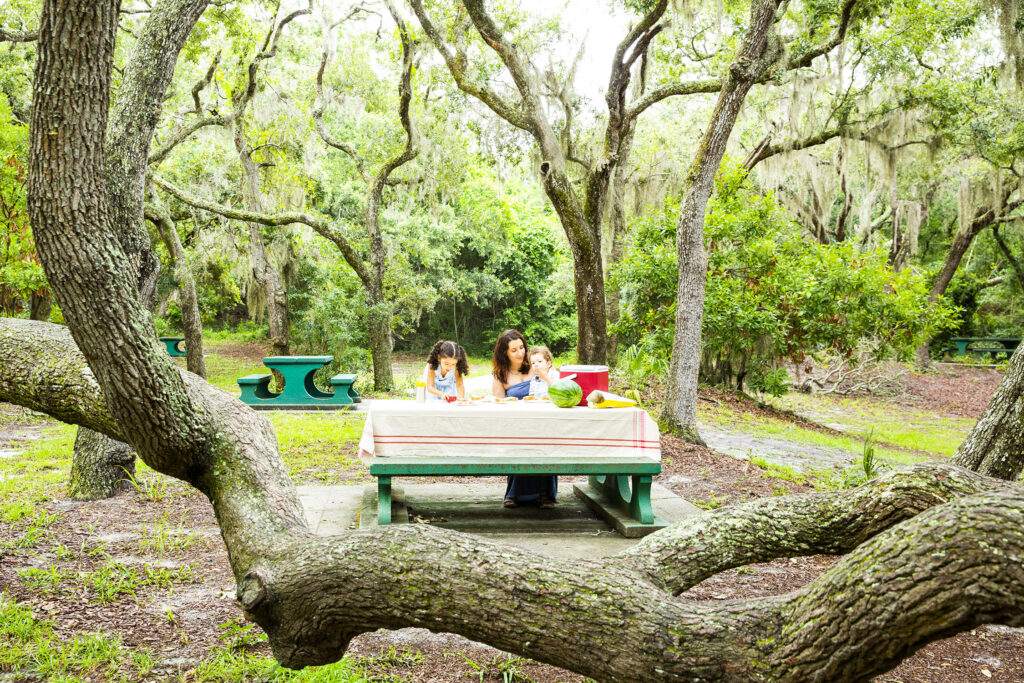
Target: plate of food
(507,399)
(465,402)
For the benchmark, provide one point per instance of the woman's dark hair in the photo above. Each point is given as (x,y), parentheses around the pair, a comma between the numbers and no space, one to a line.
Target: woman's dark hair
(500,364)
(448,349)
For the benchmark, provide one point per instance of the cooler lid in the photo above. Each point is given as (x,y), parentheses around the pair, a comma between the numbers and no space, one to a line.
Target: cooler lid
(583,368)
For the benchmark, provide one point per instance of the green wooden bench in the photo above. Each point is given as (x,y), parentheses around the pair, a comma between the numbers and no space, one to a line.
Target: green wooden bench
(299,391)
(619,488)
(982,347)
(174,346)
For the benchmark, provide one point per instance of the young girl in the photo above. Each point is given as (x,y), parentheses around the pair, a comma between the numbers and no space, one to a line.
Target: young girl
(446,366)
(541,372)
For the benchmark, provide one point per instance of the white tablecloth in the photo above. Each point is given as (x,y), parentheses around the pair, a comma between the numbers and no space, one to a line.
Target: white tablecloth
(523,428)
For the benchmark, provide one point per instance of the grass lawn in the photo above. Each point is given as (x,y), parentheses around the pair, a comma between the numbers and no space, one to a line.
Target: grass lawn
(920,448)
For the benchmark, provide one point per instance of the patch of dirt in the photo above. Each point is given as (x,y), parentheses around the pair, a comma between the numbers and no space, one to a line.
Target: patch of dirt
(250,352)
(700,474)
(949,389)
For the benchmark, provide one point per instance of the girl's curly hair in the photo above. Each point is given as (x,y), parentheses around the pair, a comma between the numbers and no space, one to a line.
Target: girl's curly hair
(448,349)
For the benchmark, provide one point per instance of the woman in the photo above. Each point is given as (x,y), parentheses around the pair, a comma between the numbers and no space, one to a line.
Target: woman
(512,379)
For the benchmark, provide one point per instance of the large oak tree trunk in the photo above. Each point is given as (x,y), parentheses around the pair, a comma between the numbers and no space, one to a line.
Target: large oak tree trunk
(924,560)
(41,306)
(100,463)
(995,446)
(102,466)
(761,49)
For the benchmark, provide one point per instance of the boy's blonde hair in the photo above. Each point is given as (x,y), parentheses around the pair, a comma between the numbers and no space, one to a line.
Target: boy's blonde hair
(542,350)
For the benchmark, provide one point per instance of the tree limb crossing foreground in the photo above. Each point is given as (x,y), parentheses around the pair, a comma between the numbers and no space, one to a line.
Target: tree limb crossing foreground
(932,550)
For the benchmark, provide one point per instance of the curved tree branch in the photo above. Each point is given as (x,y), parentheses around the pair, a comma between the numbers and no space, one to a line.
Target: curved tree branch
(457,64)
(713,85)
(318,112)
(323,228)
(11,36)
(184,133)
(825,522)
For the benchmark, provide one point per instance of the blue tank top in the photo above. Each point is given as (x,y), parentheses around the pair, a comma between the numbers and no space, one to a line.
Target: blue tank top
(446,385)
(521,390)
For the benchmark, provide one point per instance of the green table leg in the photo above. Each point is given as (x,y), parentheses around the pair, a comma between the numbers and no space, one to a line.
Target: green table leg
(640,502)
(383,501)
(173,345)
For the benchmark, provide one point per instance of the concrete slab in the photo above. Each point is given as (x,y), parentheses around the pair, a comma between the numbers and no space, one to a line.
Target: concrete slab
(330,510)
(570,530)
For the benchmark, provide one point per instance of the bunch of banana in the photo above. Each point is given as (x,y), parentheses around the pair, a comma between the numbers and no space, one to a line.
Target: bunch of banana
(604,399)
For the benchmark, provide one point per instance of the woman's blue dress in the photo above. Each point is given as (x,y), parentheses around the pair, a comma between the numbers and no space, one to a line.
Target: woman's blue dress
(525,489)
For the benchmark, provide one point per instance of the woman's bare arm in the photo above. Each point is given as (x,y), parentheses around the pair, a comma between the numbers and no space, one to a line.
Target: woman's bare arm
(497,388)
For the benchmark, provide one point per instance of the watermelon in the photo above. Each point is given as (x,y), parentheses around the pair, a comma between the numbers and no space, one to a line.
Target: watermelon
(565,393)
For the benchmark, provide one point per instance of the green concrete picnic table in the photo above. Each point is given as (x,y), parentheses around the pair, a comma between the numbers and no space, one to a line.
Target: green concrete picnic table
(174,346)
(618,450)
(299,392)
(993,346)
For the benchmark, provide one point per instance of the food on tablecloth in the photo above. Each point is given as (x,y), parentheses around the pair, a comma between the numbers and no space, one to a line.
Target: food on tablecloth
(609,400)
(530,398)
(507,399)
(565,393)
(465,402)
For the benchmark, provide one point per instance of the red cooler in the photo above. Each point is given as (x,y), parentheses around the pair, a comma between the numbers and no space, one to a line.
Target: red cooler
(589,377)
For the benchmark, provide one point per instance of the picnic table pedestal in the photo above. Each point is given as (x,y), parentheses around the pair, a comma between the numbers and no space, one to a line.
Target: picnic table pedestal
(619,450)
(299,391)
(174,346)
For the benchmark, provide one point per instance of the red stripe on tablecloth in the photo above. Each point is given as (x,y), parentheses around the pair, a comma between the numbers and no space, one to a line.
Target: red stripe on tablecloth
(514,443)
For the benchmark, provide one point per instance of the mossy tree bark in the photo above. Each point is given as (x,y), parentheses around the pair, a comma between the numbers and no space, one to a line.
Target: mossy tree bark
(760,51)
(101,467)
(932,549)
(995,446)
(99,463)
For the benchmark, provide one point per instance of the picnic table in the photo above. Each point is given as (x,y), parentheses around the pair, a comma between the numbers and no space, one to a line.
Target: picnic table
(299,391)
(174,346)
(617,449)
(984,346)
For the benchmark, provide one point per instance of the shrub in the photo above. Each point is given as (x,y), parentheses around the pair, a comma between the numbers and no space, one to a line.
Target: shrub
(773,295)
